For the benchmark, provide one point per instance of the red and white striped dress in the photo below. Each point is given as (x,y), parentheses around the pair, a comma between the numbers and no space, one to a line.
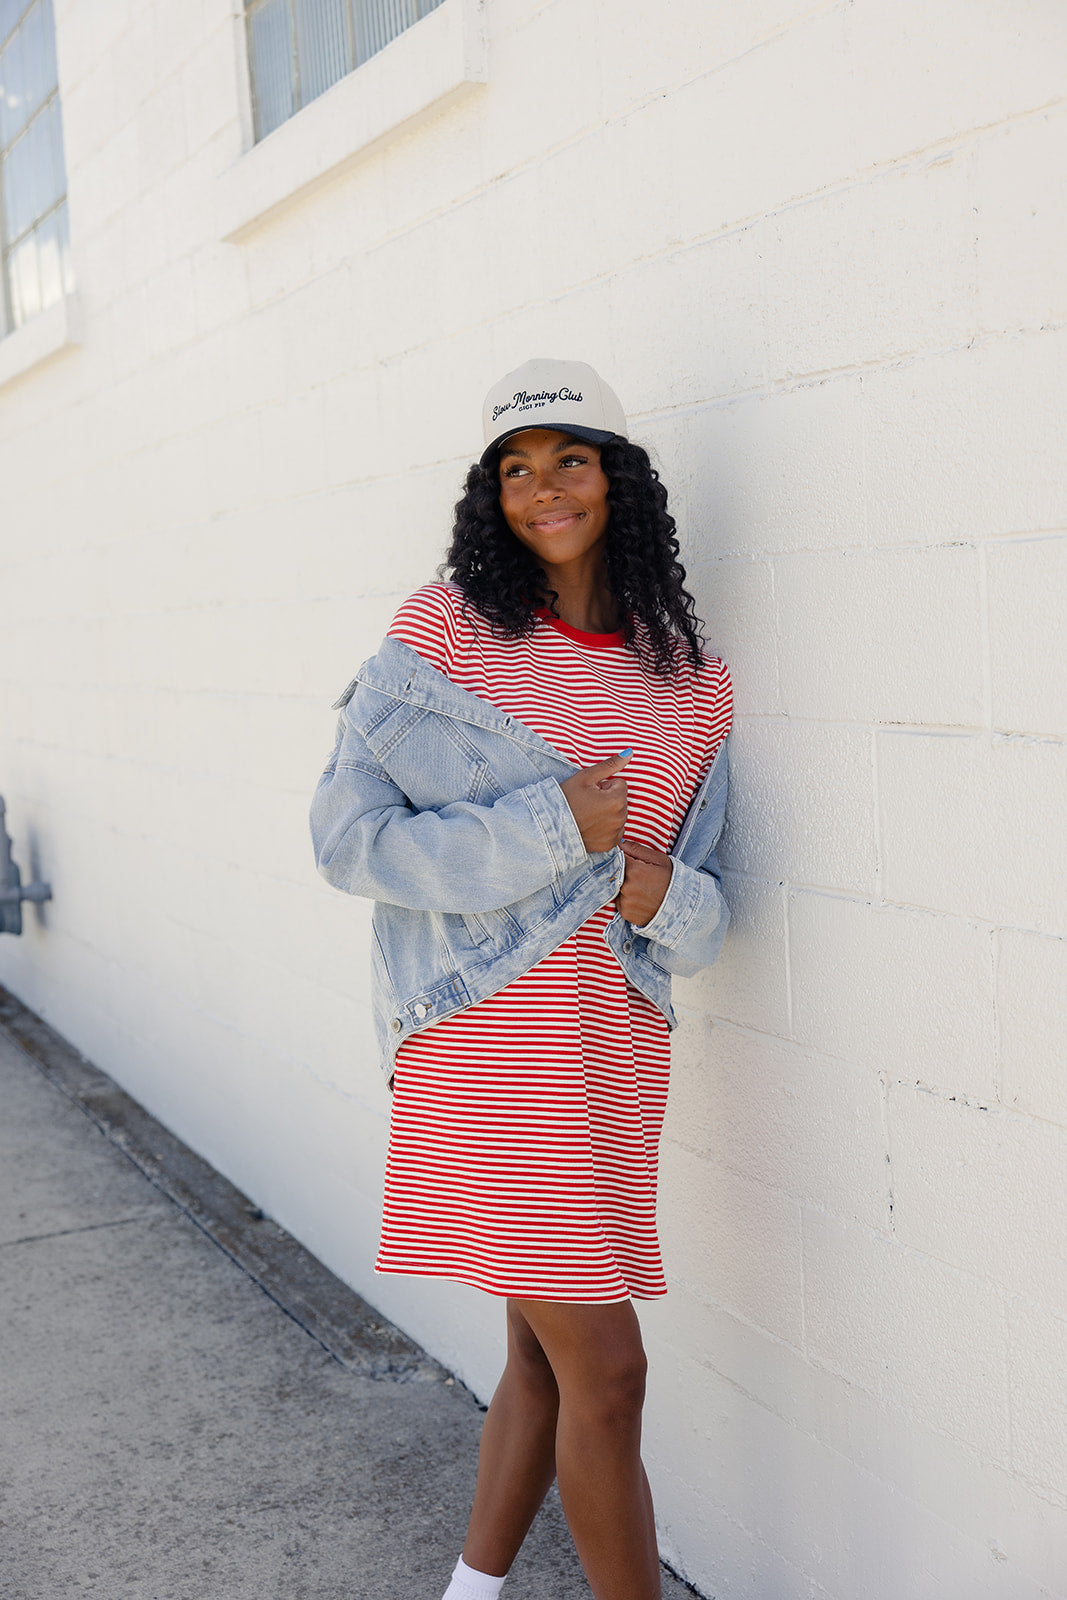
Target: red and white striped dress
(525,1130)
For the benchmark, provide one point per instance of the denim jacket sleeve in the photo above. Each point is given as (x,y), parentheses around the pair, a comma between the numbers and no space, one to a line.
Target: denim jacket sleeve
(688,929)
(461,856)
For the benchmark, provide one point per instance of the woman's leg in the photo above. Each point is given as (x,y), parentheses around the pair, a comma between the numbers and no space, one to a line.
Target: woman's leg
(517,1456)
(597,1359)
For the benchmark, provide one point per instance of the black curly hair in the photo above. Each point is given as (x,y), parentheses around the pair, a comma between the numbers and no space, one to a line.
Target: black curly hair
(503,581)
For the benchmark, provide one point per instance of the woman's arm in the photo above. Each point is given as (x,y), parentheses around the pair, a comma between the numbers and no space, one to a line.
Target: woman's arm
(460,857)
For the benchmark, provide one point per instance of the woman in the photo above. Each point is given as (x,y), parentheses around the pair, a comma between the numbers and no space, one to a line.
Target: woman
(511,771)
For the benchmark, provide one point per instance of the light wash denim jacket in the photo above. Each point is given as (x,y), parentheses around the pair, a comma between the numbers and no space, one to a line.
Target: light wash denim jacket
(449,814)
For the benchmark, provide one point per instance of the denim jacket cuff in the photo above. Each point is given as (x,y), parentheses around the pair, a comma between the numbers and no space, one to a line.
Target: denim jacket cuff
(556,820)
(677,908)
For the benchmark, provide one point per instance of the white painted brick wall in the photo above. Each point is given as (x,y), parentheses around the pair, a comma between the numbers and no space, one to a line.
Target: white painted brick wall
(818,248)
(1027,636)
(1031,973)
(994,1207)
(908,993)
(969,824)
(909,1330)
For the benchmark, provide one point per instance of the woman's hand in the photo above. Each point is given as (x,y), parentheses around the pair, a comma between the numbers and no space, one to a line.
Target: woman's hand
(597,798)
(648,873)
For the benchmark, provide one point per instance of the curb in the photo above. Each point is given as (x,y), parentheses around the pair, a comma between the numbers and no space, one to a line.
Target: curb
(340,1320)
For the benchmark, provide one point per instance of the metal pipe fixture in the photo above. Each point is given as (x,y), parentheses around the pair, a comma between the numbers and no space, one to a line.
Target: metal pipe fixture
(12,889)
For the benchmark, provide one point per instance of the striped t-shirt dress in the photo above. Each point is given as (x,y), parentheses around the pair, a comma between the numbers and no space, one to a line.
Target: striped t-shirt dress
(525,1130)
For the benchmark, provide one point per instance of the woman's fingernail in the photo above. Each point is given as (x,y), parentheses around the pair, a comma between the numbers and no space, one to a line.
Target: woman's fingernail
(627,752)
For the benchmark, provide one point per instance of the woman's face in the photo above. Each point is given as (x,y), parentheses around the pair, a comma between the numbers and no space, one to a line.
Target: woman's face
(554,495)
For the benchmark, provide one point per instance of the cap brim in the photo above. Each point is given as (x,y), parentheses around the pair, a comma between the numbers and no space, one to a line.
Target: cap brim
(591,435)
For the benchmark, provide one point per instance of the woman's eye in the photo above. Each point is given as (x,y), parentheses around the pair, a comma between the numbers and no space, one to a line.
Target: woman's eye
(573,461)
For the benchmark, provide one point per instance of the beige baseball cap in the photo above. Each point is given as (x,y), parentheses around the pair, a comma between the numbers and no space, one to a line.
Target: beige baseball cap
(543,393)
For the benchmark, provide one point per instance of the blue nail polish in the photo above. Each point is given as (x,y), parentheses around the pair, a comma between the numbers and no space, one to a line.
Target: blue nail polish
(627,752)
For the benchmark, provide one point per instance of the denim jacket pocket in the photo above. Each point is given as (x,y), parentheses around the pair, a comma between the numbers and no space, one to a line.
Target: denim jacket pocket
(476,927)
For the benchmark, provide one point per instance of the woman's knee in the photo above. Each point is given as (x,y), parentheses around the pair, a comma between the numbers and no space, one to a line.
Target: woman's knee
(596,1356)
(606,1394)
(526,1356)
(614,1390)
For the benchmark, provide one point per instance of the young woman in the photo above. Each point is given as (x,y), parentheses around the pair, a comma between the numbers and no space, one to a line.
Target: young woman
(530,780)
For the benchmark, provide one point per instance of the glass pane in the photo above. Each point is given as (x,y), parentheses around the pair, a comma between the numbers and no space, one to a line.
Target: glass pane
(25,287)
(384,19)
(322,45)
(55,126)
(33,172)
(27,70)
(12,90)
(14,184)
(49,263)
(50,73)
(331,37)
(271,50)
(38,58)
(10,12)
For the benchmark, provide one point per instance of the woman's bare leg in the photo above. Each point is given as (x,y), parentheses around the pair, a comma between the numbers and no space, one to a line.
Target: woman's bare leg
(517,1457)
(598,1361)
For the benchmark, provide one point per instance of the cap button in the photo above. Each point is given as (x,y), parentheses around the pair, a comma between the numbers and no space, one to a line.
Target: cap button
(397,1025)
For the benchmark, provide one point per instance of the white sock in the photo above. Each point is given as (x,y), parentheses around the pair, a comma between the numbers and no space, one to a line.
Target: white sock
(470,1585)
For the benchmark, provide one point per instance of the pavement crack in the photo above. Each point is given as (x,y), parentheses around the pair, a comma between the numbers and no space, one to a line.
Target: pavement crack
(63,1233)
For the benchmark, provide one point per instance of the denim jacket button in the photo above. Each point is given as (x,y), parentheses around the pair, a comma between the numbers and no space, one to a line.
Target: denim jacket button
(421,1010)
(627,945)
(397,1025)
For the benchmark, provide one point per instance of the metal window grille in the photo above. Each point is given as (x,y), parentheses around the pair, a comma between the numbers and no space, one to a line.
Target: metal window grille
(298,48)
(35,262)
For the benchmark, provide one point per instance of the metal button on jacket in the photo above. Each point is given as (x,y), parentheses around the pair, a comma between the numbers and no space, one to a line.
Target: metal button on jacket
(397,1024)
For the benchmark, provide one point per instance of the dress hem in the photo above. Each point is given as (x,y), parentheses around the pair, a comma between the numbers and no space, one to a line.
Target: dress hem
(520,1294)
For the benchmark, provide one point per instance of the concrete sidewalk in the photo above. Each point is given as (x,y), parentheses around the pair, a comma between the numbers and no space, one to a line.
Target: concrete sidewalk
(191,1407)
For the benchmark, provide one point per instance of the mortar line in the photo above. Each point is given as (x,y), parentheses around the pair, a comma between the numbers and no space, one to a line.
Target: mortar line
(786,889)
(994,960)
(987,650)
(876,806)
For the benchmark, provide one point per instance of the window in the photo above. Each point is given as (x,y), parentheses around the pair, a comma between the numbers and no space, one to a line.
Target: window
(298,48)
(35,265)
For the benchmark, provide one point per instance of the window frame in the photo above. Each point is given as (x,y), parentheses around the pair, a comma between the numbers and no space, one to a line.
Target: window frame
(352,31)
(432,63)
(59,327)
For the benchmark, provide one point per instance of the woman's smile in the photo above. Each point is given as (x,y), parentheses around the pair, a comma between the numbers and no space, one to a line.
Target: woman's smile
(556,520)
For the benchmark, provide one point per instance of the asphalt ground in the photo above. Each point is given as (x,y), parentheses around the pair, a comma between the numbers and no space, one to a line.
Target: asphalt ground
(191,1406)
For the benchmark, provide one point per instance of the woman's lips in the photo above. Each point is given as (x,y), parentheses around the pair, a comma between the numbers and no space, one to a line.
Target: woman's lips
(558,519)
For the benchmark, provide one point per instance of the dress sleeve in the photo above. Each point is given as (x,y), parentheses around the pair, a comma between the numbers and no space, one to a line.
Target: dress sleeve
(719,713)
(428,622)
(686,933)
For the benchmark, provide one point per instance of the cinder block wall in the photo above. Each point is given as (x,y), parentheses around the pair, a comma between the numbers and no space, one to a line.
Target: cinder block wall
(818,248)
